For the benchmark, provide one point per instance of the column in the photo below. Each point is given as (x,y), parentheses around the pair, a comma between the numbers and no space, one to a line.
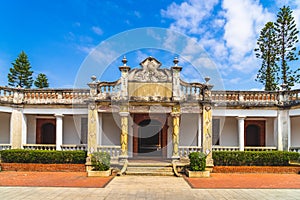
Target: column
(124,134)
(176,128)
(176,80)
(100,129)
(241,132)
(207,134)
(16,128)
(93,127)
(284,130)
(124,79)
(59,131)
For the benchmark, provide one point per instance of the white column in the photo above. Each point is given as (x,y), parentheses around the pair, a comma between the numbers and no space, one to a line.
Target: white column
(59,131)
(241,132)
(16,128)
(199,130)
(100,129)
(24,129)
(284,130)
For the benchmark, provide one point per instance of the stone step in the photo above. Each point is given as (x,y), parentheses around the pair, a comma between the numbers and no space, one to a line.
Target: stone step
(150,171)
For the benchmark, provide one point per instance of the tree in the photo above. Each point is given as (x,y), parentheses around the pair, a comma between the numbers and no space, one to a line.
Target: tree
(20,74)
(41,81)
(287,32)
(267,51)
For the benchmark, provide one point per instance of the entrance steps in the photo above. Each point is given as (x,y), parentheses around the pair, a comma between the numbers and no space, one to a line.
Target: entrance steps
(148,168)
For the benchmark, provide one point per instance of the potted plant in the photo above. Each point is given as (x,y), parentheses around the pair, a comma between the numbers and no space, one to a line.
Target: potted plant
(197,165)
(100,162)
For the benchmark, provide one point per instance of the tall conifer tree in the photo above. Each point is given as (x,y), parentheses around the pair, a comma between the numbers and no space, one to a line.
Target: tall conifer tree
(287,35)
(267,51)
(20,74)
(41,81)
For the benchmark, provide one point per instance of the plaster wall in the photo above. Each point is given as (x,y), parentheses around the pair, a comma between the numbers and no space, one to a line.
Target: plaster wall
(5,128)
(110,129)
(295,131)
(188,130)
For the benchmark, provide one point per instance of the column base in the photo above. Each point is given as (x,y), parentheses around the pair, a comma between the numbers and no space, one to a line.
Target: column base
(123,158)
(175,157)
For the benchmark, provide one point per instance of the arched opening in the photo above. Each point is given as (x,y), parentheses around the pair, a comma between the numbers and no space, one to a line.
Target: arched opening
(252,135)
(46,131)
(255,133)
(150,138)
(48,134)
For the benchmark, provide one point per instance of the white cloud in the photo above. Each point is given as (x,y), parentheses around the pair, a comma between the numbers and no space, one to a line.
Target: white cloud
(188,15)
(97,30)
(244,20)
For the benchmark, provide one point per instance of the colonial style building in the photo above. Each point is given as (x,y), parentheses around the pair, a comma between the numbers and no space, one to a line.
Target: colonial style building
(149,112)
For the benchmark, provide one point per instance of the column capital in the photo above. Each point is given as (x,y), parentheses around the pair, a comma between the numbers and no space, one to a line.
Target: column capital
(241,117)
(58,115)
(124,114)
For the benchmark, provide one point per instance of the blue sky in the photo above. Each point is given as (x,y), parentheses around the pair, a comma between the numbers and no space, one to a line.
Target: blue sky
(59,35)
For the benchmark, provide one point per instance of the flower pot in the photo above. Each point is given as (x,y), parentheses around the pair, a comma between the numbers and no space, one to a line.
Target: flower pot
(197,174)
(100,173)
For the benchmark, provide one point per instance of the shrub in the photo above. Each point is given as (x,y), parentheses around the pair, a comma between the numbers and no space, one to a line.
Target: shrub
(197,161)
(254,158)
(100,161)
(42,156)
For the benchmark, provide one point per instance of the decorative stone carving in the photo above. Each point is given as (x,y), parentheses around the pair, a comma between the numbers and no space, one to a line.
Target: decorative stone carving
(150,72)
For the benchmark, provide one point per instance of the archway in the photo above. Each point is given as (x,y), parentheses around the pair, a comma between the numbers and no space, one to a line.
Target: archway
(150,131)
(46,131)
(150,138)
(255,133)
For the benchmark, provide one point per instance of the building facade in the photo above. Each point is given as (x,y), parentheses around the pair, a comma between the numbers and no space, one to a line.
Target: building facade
(149,112)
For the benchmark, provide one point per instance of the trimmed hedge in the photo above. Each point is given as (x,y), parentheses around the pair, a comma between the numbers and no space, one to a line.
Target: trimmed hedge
(197,161)
(100,161)
(254,158)
(43,156)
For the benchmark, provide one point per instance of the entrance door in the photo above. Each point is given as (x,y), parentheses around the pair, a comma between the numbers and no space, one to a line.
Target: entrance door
(46,131)
(254,133)
(150,138)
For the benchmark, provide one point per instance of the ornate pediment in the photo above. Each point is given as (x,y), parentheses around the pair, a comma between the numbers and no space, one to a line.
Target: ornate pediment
(150,72)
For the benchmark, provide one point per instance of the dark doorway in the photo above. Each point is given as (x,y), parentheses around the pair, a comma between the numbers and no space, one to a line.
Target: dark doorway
(150,138)
(255,133)
(46,131)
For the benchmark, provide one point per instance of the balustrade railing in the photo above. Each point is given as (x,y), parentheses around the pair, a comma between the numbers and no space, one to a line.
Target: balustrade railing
(109,89)
(295,149)
(5,146)
(113,151)
(49,147)
(260,148)
(191,91)
(244,97)
(184,151)
(73,147)
(225,148)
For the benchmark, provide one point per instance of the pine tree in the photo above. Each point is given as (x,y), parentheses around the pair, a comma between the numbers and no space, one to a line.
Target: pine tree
(267,51)
(286,31)
(20,74)
(41,81)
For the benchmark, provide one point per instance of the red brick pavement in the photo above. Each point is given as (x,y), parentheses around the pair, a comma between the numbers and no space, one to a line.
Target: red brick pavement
(217,180)
(246,181)
(52,179)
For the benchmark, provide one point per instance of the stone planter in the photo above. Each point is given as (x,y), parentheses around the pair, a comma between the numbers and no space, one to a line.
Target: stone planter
(197,174)
(99,173)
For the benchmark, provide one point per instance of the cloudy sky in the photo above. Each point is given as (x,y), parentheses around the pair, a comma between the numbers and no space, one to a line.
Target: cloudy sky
(59,35)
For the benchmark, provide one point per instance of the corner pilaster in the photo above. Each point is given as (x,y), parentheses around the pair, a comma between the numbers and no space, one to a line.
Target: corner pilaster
(124,132)
(207,134)
(176,128)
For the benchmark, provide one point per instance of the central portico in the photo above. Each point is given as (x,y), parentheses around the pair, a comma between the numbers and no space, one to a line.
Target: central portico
(145,108)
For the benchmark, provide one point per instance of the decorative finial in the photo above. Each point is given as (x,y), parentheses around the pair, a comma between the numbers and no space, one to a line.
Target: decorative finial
(206,79)
(93,78)
(124,61)
(175,61)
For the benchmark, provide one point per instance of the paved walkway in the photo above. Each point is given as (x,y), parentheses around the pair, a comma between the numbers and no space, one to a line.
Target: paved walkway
(143,187)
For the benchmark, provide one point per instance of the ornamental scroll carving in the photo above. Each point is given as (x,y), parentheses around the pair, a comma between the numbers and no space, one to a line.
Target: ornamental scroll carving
(150,72)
